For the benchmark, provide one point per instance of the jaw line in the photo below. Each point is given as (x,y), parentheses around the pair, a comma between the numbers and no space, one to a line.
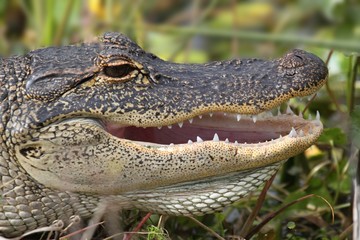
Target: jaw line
(285,126)
(233,157)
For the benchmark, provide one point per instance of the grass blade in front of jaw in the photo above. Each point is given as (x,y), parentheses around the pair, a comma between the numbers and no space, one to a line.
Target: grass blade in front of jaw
(271,215)
(260,201)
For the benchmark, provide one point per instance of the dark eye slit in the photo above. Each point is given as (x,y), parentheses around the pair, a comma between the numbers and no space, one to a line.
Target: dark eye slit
(118,71)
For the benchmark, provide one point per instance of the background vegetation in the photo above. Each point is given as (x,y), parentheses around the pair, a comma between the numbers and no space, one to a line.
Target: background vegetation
(201,31)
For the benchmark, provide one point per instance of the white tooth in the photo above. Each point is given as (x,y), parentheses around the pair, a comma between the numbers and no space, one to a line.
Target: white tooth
(254,118)
(317,116)
(288,110)
(227,140)
(280,136)
(216,138)
(310,117)
(311,130)
(180,124)
(238,117)
(225,114)
(191,120)
(236,143)
(295,133)
(190,142)
(169,127)
(301,133)
(279,112)
(292,132)
(300,114)
(200,116)
(159,127)
(210,114)
(171,144)
(198,139)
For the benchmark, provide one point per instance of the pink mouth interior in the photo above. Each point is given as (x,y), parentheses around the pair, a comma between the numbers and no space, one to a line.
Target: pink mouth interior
(241,131)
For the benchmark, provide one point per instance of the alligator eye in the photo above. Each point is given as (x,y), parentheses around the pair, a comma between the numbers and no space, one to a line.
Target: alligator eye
(118,71)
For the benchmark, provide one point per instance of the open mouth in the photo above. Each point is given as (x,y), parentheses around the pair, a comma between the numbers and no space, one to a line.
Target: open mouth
(129,158)
(220,127)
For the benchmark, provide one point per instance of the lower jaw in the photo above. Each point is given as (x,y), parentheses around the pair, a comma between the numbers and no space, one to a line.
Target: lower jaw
(195,198)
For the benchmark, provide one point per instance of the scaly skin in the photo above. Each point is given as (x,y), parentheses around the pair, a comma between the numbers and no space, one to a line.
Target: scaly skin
(73,119)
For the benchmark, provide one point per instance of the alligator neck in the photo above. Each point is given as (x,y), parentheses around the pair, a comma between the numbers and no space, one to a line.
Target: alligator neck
(13,73)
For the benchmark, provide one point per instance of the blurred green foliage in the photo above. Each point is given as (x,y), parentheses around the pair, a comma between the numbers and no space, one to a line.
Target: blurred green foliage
(201,31)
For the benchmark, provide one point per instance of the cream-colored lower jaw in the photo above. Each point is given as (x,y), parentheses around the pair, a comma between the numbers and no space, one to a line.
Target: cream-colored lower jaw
(202,196)
(301,135)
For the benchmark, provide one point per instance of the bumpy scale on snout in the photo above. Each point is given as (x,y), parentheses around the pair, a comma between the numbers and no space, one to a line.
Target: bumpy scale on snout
(108,121)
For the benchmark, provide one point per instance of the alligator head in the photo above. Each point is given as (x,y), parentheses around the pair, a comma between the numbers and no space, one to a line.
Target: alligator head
(110,120)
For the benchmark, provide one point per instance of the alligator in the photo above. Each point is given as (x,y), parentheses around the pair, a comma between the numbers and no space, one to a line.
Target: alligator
(108,122)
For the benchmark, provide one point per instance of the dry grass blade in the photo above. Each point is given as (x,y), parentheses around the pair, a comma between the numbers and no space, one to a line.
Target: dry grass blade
(80,231)
(328,89)
(308,104)
(207,228)
(260,201)
(137,228)
(346,232)
(270,216)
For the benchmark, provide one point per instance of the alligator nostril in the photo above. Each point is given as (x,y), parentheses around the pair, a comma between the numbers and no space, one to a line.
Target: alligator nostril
(290,74)
(299,57)
(292,60)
